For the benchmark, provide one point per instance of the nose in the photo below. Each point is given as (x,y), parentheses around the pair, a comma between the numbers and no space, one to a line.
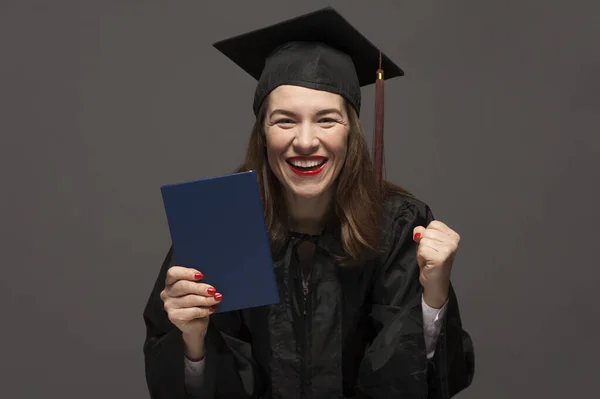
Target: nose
(306,140)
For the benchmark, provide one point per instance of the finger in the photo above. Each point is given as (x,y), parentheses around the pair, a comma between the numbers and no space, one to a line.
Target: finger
(176,273)
(190,301)
(441,227)
(429,256)
(426,250)
(418,233)
(438,225)
(427,243)
(185,287)
(185,315)
(437,235)
(434,251)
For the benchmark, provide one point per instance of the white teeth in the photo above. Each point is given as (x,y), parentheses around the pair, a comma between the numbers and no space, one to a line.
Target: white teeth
(307,164)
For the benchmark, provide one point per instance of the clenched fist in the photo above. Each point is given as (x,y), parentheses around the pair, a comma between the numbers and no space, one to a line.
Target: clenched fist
(187,301)
(437,246)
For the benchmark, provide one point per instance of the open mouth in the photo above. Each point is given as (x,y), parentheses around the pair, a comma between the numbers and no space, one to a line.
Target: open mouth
(307,166)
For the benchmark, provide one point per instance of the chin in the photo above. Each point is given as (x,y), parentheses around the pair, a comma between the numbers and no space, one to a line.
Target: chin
(308,192)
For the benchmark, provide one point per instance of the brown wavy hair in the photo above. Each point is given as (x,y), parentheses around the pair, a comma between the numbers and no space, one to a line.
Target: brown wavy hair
(357,206)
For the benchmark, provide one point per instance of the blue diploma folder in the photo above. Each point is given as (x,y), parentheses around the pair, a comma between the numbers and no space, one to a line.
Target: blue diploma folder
(217,226)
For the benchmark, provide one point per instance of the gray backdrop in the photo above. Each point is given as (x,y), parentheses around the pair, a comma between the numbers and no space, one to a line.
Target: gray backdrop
(495,125)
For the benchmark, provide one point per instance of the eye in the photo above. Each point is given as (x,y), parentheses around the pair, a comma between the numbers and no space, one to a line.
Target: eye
(328,122)
(283,121)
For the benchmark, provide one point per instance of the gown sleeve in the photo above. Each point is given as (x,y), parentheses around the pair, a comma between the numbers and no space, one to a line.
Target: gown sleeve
(396,362)
(229,368)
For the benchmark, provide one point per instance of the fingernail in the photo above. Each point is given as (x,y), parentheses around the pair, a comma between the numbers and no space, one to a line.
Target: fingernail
(417,236)
(213,308)
(218,297)
(198,276)
(211,291)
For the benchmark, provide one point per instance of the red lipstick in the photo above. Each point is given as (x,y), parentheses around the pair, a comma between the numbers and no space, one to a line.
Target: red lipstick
(307,166)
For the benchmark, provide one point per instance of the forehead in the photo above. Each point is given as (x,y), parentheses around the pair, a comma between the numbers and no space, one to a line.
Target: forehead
(296,98)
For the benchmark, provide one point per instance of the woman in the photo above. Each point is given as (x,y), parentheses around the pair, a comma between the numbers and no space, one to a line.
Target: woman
(363,269)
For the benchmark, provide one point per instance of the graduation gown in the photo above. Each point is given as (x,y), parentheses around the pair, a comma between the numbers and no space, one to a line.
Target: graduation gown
(349,332)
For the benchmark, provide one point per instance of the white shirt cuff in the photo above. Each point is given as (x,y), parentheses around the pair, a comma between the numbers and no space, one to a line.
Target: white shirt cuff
(432,325)
(194,371)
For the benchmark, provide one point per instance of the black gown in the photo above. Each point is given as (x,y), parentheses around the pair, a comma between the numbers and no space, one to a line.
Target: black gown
(349,332)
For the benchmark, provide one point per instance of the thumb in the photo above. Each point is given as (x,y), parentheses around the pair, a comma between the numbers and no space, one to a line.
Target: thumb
(418,233)
(417,236)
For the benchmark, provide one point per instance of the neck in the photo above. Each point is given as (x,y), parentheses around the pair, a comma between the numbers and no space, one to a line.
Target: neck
(307,216)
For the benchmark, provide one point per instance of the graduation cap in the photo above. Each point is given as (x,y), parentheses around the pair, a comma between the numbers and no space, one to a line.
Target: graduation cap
(319,50)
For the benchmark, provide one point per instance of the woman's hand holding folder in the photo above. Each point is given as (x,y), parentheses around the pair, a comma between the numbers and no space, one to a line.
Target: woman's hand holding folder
(189,303)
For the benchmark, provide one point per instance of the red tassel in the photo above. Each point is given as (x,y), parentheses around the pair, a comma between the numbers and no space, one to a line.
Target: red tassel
(378,148)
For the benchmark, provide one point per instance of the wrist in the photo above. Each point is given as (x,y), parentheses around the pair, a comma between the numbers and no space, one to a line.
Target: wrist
(435,298)
(193,347)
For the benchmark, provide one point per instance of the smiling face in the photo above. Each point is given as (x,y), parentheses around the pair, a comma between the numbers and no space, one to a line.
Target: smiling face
(306,133)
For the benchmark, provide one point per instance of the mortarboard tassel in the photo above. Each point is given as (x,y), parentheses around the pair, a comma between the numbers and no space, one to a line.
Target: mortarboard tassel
(378,150)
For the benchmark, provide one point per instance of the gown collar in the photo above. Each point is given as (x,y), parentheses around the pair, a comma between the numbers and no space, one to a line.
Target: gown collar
(329,240)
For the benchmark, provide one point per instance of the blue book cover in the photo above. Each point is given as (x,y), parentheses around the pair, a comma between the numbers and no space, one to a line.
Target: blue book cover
(217,226)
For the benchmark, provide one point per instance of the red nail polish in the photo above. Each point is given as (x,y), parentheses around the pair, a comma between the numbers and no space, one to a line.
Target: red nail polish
(213,308)
(417,236)
(198,276)
(218,297)
(211,291)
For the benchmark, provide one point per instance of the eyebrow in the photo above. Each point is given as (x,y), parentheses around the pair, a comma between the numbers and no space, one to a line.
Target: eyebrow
(320,113)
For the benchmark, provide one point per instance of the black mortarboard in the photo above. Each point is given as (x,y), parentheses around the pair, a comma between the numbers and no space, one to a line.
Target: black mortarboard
(318,50)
